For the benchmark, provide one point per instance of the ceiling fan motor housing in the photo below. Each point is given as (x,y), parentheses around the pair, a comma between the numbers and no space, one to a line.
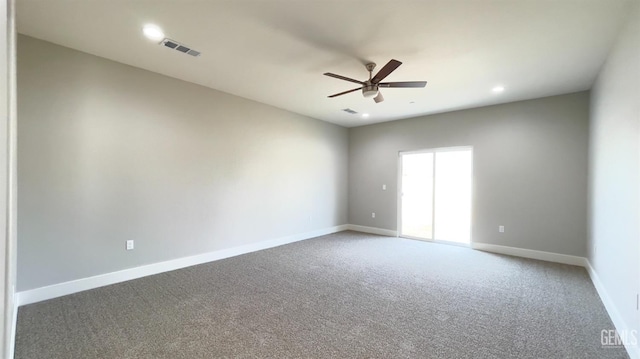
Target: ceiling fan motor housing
(369,90)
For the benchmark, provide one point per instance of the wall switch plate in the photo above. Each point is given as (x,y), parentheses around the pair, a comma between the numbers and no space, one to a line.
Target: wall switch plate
(373,214)
(129,244)
(384,187)
(501,229)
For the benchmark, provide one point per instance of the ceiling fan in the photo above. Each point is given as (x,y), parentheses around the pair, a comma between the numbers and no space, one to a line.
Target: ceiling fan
(370,88)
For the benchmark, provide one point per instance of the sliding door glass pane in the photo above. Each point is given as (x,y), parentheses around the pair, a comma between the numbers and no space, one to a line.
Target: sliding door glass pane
(453,196)
(417,195)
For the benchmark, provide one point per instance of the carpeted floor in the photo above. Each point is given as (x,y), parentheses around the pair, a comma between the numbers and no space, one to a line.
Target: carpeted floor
(346,295)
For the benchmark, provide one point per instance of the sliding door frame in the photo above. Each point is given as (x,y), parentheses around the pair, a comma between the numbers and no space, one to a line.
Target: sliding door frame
(433,204)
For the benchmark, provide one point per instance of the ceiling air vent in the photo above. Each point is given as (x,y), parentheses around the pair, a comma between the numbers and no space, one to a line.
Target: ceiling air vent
(348,110)
(179,47)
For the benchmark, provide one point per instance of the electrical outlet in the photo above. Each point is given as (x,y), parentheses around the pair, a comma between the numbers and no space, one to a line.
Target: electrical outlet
(373,214)
(501,229)
(129,244)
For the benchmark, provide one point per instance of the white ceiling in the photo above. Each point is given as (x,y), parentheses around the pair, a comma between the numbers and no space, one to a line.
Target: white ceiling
(275,51)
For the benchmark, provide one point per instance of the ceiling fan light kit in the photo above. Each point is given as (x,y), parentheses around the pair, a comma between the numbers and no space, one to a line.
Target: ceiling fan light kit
(371,87)
(370,91)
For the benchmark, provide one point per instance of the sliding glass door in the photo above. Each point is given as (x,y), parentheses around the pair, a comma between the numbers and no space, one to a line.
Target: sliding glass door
(435,195)
(417,195)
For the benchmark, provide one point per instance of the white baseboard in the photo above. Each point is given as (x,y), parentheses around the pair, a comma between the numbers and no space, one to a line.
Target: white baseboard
(14,327)
(79,285)
(616,318)
(373,230)
(529,253)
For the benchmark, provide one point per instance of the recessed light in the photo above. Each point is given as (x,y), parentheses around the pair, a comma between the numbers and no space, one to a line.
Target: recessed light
(365,115)
(153,32)
(498,89)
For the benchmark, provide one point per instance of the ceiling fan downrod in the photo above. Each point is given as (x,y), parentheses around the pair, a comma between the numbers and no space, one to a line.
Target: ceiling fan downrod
(370,89)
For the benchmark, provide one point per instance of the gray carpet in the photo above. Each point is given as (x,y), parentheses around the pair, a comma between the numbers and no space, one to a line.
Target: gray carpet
(347,295)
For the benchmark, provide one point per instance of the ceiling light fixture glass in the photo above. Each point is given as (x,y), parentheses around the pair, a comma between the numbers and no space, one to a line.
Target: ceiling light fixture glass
(153,32)
(369,90)
(498,89)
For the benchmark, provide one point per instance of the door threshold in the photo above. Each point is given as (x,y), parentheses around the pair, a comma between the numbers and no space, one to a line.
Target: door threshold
(438,241)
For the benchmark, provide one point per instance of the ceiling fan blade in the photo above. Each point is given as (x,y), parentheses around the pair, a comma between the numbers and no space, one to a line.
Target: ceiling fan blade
(343,78)
(346,92)
(378,98)
(386,70)
(403,84)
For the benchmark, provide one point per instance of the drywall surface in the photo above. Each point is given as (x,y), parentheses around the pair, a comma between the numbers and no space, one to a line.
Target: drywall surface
(614,242)
(4,173)
(530,170)
(8,187)
(109,152)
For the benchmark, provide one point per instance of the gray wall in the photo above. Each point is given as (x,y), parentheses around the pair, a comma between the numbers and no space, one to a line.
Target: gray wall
(530,170)
(108,152)
(614,243)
